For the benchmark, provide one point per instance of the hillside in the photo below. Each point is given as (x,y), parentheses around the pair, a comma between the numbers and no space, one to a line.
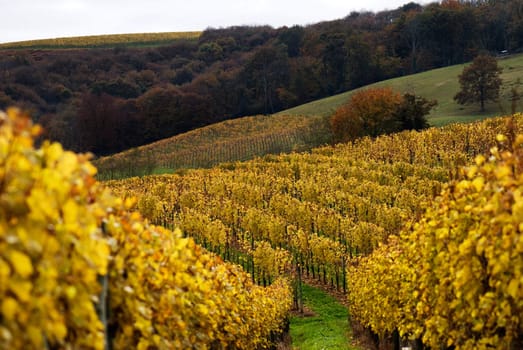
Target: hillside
(102,41)
(80,270)
(298,129)
(439,84)
(228,141)
(108,99)
(361,219)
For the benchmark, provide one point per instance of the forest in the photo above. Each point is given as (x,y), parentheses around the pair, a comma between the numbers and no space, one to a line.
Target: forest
(105,100)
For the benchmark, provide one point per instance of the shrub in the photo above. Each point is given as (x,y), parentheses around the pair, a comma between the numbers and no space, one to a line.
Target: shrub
(370,112)
(379,111)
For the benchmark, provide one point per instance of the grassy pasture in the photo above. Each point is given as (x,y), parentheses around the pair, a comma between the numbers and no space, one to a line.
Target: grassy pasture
(439,84)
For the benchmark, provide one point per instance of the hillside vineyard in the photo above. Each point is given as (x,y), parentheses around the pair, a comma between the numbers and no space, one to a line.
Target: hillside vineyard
(80,269)
(353,216)
(422,230)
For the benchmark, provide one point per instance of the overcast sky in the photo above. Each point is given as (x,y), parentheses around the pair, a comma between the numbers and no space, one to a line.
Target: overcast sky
(40,19)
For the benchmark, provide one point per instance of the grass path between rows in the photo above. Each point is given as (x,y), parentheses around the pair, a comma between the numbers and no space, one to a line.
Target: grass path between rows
(326,329)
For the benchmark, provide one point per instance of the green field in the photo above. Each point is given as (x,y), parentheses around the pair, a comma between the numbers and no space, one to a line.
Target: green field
(438,84)
(101,41)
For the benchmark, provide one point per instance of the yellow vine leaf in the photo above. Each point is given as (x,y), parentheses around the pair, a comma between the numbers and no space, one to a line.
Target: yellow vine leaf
(9,308)
(21,263)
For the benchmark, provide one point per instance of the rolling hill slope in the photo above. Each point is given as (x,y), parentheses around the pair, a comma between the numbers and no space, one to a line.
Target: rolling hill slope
(334,208)
(297,129)
(439,84)
(100,41)
(227,141)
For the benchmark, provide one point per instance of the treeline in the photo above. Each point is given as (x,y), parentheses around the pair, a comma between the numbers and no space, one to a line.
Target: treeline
(107,100)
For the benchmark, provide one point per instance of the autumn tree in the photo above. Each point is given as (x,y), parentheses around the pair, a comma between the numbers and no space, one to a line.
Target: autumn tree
(378,111)
(369,112)
(160,109)
(210,52)
(98,123)
(264,74)
(480,82)
(405,35)
(292,38)
(334,58)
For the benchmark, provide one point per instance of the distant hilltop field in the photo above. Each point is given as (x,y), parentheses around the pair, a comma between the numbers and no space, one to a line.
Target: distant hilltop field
(136,39)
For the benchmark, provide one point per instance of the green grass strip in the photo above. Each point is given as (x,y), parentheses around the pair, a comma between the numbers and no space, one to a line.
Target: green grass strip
(328,329)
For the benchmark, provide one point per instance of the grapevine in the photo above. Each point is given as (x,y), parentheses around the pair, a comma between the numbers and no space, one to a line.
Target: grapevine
(454,277)
(80,269)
